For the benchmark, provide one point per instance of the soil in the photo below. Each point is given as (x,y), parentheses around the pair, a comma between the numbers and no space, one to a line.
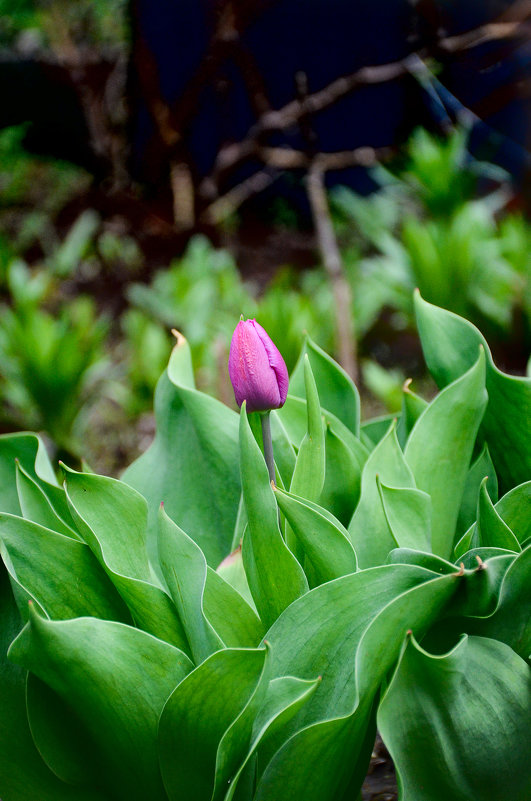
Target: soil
(380,784)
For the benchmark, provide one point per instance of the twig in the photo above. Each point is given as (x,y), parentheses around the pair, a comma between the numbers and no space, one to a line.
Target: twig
(227,204)
(289,115)
(328,246)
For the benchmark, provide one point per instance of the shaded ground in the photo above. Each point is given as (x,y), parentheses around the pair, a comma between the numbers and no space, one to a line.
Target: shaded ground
(380,784)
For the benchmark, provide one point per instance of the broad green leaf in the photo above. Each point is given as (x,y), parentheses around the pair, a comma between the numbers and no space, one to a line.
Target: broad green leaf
(283,448)
(412,407)
(111,517)
(294,418)
(196,446)
(232,617)
(478,470)
(408,514)
(358,620)
(374,430)
(410,556)
(450,346)
(478,597)
(184,568)
(490,529)
(345,456)
(514,508)
(36,506)
(59,572)
(197,715)
(337,390)
(369,531)
(236,741)
(457,725)
(31,454)
(324,539)
(117,679)
(233,572)
(62,742)
(309,473)
(285,697)
(275,577)
(297,771)
(440,447)
(470,558)
(511,620)
(481,588)
(344,465)
(23,774)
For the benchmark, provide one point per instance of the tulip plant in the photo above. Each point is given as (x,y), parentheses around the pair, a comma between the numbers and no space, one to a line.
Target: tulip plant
(206,629)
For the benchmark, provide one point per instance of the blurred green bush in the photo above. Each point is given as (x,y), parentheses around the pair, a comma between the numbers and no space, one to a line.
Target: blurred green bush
(437,223)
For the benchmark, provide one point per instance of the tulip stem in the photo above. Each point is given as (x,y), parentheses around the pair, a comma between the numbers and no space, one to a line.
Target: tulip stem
(268,445)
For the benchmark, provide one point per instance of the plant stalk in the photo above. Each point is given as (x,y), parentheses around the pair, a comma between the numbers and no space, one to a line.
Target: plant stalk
(268,445)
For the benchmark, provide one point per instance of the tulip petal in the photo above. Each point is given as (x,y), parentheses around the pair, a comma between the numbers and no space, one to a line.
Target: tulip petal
(256,368)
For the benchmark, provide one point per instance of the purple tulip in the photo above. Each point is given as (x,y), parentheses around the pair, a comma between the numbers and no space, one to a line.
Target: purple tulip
(256,368)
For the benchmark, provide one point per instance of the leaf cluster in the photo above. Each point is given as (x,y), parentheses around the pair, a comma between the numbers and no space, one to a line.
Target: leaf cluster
(193,631)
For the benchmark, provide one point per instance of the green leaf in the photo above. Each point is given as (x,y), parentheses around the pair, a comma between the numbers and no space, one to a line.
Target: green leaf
(408,514)
(117,680)
(235,743)
(410,556)
(490,529)
(234,619)
(233,572)
(283,448)
(510,622)
(469,559)
(440,447)
(30,452)
(479,591)
(369,531)
(450,346)
(285,697)
(478,470)
(358,620)
(59,572)
(457,725)
(309,472)
(412,407)
(36,506)
(342,486)
(184,568)
(196,445)
(198,714)
(63,744)
(23,774)
(481,587)
(337,391)
(375,429)
(514,508)
(111,517)
(324,539)
(275,577)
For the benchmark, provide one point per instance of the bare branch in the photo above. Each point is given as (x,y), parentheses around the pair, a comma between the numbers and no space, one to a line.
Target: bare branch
(289,115)
(326,238)
(227,204)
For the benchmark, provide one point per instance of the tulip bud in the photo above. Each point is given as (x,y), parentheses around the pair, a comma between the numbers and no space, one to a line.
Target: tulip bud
(256,368)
